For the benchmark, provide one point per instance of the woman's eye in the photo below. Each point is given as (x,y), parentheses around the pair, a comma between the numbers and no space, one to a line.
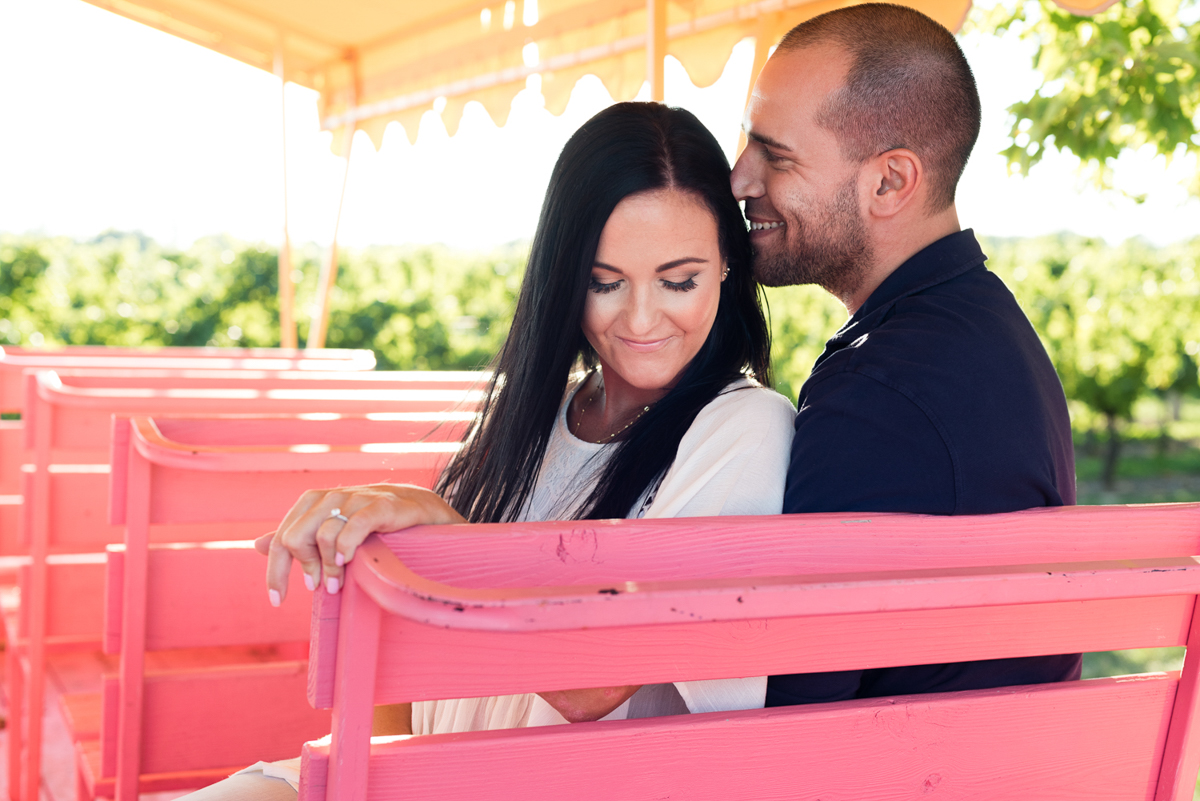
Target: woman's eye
(601,287)
(681,286)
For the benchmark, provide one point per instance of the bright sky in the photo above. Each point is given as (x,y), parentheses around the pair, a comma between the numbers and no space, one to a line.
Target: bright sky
(109,124)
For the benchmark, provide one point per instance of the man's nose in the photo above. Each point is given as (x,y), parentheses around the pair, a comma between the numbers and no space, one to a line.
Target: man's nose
(744,180)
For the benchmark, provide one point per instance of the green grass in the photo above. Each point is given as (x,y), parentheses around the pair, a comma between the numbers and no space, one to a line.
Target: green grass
(1139,660)
(1151,470)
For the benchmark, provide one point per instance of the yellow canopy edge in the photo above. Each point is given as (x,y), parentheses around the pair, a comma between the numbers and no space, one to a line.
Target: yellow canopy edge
(375,61)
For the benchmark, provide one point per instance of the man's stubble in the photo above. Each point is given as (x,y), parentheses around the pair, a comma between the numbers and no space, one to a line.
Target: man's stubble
(829,247)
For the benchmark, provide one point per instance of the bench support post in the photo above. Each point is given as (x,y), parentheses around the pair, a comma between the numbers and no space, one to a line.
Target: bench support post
(1181,757)
(354,691)
(37,528)
(133,627)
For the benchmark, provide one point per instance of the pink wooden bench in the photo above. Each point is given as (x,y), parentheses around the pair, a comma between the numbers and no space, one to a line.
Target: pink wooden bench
(257,468)
(14,361)
(67,501)
(224,673)
(489,610)
(244,385)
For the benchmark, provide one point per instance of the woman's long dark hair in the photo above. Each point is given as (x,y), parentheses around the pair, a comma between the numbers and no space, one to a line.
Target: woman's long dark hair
(624,150)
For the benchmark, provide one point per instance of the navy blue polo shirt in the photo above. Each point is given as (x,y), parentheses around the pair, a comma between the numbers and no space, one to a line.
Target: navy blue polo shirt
(936,397)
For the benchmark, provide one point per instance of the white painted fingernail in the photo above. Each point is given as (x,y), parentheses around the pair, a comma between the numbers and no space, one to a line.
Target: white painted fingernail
(331,585)
(338,559)
(274,596)
(309,583)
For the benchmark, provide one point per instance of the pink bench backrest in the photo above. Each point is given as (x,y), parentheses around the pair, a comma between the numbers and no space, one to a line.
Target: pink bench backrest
(207,472)
(74,437)
(15,360)
(80,405)
(175,470)
(210,711)
(490,610)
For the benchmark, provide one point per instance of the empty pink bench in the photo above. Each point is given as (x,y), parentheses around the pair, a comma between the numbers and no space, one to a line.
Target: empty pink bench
(15,360)
(495,609)
(241,385)
(175,596)
(222,682)
(72,502)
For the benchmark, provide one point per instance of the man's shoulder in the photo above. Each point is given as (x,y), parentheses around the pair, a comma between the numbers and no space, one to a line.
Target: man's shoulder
(969,329)
(965,356)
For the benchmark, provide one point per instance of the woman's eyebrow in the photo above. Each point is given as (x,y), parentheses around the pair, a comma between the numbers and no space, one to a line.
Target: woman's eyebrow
(659,269)
(679,262)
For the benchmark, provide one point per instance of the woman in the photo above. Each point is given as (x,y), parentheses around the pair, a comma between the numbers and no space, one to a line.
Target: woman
(625,389)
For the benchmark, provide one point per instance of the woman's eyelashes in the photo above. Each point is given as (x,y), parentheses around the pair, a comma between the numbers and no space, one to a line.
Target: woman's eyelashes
(681,286)
(604,287)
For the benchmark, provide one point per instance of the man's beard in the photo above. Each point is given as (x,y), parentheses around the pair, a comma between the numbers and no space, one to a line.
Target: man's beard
(829,248)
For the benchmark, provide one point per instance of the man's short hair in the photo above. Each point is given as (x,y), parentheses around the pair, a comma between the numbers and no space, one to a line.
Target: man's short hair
(908,85)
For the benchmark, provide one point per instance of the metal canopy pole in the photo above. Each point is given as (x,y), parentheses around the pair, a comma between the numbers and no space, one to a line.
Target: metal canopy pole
(287,291)
(656,46)
(320,323)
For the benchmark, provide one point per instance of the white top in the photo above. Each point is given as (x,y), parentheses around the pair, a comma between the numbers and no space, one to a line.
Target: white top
(732,461)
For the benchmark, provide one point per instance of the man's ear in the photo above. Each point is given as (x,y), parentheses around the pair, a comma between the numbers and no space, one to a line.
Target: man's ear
(896,176)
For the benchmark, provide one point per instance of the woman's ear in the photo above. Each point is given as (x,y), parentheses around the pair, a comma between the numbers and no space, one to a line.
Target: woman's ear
(896,177)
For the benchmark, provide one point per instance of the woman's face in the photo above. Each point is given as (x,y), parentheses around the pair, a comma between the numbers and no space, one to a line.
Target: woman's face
(655,286)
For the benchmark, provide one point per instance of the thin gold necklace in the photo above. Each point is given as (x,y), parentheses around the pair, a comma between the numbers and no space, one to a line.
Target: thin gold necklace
(588,403)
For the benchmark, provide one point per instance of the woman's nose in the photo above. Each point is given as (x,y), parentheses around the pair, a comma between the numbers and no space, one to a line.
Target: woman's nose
(641,315)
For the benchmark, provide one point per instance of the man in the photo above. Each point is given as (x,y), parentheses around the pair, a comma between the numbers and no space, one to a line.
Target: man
(936,396)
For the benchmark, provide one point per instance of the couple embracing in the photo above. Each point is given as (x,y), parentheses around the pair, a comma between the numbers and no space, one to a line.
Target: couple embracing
(635,380)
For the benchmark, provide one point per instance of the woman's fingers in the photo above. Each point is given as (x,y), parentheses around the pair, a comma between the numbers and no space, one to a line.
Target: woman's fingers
(263,543)
(365,514)
(302,537)
(279,566)
(325,527)
(331,566)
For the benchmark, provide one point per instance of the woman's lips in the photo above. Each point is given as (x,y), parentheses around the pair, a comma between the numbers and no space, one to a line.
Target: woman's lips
(644,346)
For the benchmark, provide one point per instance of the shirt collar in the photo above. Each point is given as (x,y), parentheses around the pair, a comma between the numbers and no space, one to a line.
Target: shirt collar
(947,258)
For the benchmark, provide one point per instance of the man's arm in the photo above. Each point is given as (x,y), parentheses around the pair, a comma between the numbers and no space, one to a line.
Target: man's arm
(860,446)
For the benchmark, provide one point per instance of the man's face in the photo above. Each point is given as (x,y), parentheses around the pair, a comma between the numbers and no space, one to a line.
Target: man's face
(802,196)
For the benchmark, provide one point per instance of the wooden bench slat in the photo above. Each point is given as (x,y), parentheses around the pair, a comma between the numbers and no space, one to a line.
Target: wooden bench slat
(81,711)
(443,663)
(88,763)
(228,576)
(1096,739)
(599,551)
(194,720)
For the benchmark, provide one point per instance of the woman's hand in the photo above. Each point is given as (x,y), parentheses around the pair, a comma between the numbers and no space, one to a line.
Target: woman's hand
(324,543)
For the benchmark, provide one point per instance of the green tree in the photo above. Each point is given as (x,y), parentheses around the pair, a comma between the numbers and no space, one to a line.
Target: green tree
(1117,322)
(1123,79)
(802,319)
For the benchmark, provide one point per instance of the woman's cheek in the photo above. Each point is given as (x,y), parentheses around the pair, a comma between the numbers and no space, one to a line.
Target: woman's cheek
(698,316)
(598,311)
